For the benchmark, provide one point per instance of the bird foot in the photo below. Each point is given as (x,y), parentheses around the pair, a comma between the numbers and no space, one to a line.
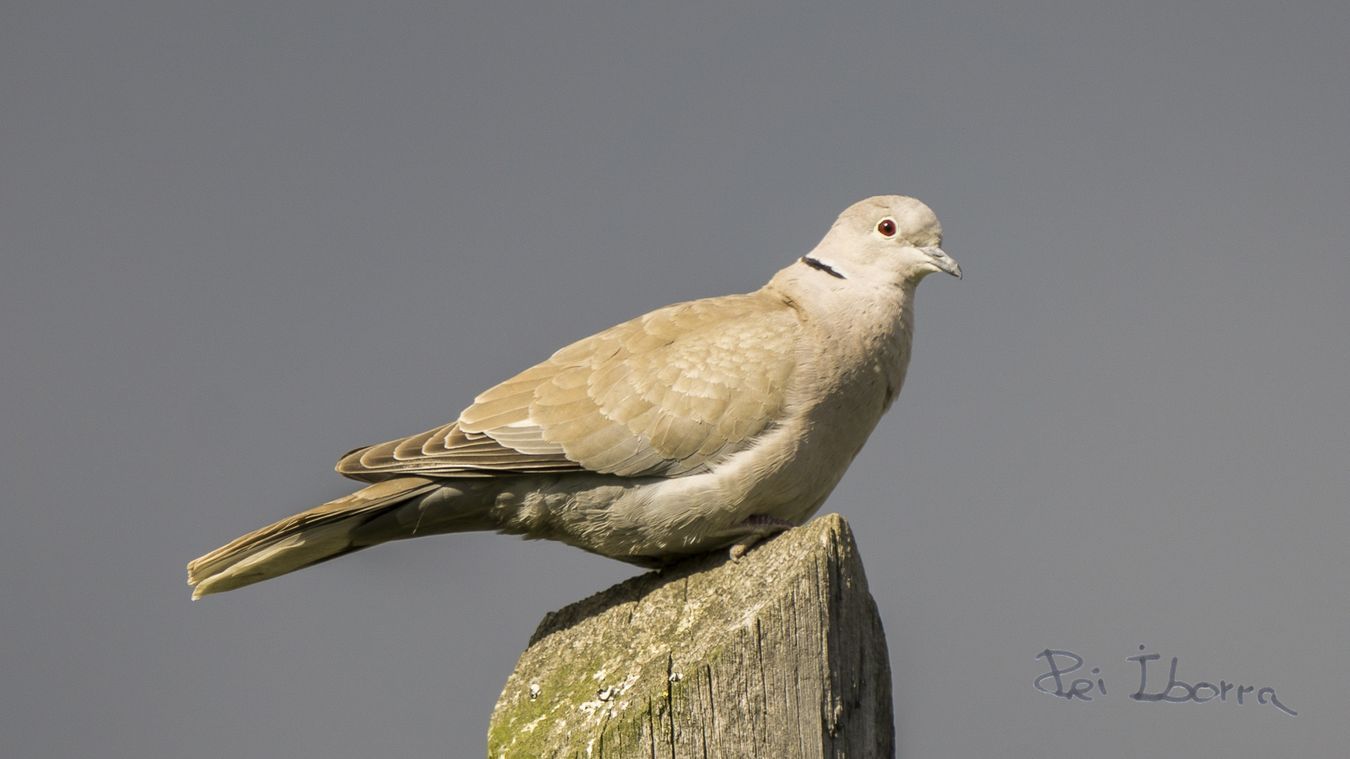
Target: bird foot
(757,527)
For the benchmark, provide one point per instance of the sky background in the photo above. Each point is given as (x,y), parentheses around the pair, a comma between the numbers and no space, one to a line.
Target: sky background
(239,239)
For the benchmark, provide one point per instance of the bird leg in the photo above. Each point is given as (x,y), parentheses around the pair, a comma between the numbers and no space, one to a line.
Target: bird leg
(756,527)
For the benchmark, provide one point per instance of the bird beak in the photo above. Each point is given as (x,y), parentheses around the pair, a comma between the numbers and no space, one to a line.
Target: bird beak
(943,261)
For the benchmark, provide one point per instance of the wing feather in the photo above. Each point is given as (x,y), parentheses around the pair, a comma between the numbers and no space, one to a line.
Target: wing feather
(668,393)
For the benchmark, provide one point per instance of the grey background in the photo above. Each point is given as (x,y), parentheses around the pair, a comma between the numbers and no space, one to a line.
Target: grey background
(240,239)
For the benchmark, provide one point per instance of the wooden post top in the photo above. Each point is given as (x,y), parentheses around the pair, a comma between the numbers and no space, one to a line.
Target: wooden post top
(779,654)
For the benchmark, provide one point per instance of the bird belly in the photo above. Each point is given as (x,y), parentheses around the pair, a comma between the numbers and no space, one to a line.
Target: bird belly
(786,475)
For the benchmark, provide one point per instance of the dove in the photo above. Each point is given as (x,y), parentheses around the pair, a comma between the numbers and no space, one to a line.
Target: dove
(700,426)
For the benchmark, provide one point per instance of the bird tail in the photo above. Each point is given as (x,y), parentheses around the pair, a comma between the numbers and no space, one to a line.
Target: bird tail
(384,511)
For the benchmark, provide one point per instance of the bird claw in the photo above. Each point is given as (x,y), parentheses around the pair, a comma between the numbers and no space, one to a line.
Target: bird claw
(742,547)
(758,527)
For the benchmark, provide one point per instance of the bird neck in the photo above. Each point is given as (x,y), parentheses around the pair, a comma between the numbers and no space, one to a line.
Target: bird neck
(873,311)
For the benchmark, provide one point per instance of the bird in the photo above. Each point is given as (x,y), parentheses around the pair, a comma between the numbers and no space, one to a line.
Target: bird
(701,426)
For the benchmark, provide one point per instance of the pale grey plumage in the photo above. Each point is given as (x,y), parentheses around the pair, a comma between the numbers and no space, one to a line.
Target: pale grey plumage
(696,426)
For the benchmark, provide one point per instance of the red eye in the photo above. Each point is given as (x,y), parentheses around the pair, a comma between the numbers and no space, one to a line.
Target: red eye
(886,227)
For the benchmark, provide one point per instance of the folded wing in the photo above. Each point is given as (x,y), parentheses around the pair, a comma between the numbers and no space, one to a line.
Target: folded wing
(668,393)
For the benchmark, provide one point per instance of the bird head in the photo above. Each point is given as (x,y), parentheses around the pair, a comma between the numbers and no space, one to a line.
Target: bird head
(887,238)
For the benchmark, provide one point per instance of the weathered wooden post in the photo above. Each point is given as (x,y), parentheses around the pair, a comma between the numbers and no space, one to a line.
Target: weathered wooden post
(780,654)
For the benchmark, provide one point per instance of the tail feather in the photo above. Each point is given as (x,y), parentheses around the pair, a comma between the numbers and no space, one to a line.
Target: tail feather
(324,532)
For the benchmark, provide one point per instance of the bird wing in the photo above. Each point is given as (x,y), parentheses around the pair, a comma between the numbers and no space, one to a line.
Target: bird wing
(668,393)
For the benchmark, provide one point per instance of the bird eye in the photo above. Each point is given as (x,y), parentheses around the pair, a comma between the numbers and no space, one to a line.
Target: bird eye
(886,227)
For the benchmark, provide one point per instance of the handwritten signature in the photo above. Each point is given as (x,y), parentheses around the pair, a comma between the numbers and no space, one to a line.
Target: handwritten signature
(1063,663)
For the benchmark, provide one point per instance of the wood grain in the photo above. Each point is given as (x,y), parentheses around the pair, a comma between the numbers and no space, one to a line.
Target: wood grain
(780,654)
